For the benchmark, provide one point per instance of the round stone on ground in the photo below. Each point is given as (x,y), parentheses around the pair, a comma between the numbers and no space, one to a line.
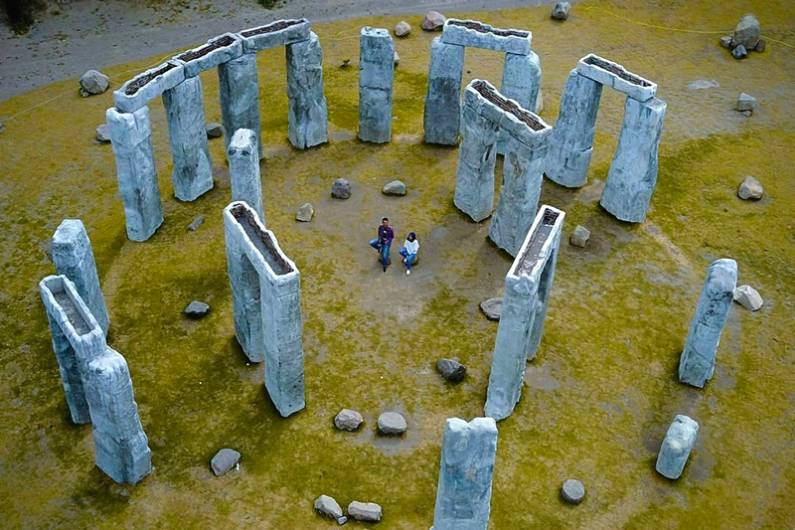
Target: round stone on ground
(328,507)
(745,102)
(391,423)
(348,420)
(196,309)
(451,369)
(365,511)
(93,82)
(224,460)
(214,130)
(748,297)
(572,491)
(305,213)
(750,189)
(341,189)
(492,308)
(402,29)
(433,21)
(561,11)
(580,236)
(395,187)
(103,134)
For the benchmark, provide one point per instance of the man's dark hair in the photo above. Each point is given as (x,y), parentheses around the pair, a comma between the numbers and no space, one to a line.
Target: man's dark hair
(384,219)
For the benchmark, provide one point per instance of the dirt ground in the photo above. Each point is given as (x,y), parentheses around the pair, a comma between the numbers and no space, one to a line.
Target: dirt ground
(598,397)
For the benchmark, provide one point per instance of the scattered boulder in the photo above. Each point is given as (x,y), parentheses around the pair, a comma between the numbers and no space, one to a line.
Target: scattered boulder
(492,308)
(103,134)
(580,236)
(750,189)
(196,309)
(572,491)
(748,297)
(328,507)
(214,130)
(365,511)
(196,223)
(224,460)
(348,420)
(305,212)
(390,423)
(433,21)
(702,84)
(451,369)
(740,52)
(396,58)
(342,520)
(395,187)
(561,11)
(341,189)
(745,103)
(726,42)
(747,32)
(402,29)
(93,82)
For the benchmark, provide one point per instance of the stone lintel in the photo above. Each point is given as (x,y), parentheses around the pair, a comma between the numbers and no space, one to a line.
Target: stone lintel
(616,76)
(147,85)
(479,35)
(215,51)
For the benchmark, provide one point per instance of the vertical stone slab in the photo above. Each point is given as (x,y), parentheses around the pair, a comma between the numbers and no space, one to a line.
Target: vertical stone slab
(239,93)
(633,173)
(676,447)
(463,496)
(572,137)
(521,79)
(441,116)
(192,173)
(121,446)
(74,258)
(244,170)
(376,73)
(131,136)
(697,363)
(307,113)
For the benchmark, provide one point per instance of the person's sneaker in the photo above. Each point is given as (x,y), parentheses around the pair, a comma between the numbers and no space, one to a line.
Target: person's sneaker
(408,272)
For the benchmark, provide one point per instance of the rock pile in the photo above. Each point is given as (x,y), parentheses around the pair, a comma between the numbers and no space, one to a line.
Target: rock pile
(745,39)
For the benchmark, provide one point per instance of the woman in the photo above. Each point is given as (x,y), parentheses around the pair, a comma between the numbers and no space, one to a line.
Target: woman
(409,251)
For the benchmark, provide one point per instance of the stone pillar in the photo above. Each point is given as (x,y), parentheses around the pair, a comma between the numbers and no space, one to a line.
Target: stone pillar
(676,447)
(192,174)
(633,173)
(239,92)
(131,136)
(571,145)
(527,287)
(463,497)
(73,258)
(376,73)
(521,80)
(442,102)
(697,363)
(306,106)
(122,450)
(244,170)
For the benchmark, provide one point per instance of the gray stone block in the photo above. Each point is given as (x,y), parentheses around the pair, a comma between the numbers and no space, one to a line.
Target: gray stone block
(676,447)
(277,33)
(442,113)
(244,170)
(521,82)
(224,460)
(376,76)
(328,507)
(616,76)
(215,51)
(239,95)
(392,423)
(365,511)
(480,35)
(148,85)
(307,112)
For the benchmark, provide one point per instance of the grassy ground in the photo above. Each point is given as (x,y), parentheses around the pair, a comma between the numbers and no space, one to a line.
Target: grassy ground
(598,397)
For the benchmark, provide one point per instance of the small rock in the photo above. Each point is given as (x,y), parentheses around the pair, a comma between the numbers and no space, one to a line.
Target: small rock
(196,223)
(492,308)
(365,511)
(451,369)
(740,52)
(580,236)
(341,189)
(305,212)
(390,423)
(103,134)
(402,29)
(196,309)
(214,130)
(760,46)
(726,41)
(747,32)
(701,84)
(342,520)
(433,21)
(224,460)
(745,102)
(748,297)
(750,189)
(395,187)
(93,82)
(348,420)
(396,58)
(561,11)
(328,507)
(539,102)
(346,63)
(572,491)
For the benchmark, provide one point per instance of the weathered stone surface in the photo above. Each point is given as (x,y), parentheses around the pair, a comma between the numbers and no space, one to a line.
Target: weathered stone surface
(341,189)
(244,170)
(747,32)
(305,213)
(451,369)
(93,82)
(745,102)
(267,36)
(463,495)
(402,29)
(342,520)
(617,77)
(196,223)
(196,309)
(328,507)
(579,237)
(238,87)
(130,97)
(433,21)
(521,81)
(740,52)
(103,134)
(365,511)
(192,173)
(307,112)
(224,460)
(131,136)
(561,11)
(697,363)
(633,173)
(462,33)
(442,101)
(195,60)
(676,447)
(394,187)
(492,308)
(348,420)
(391,423)
(748,297)
(572,491)
(74,258)
(376,73)
(726,42)
(214,130)
(750,189)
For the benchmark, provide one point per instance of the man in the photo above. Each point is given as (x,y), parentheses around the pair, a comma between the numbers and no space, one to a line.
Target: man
(383,243)
(409,251)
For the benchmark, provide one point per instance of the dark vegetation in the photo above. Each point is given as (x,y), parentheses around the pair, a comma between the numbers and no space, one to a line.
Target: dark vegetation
(22,13)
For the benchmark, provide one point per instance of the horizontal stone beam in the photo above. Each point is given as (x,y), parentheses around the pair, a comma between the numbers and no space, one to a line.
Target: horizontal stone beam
(278,33)
(147,85)
(616,76)
(479,35)
(217,50)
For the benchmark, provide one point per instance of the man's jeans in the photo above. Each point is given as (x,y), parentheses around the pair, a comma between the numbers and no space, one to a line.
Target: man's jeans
(382,249)
(409,259)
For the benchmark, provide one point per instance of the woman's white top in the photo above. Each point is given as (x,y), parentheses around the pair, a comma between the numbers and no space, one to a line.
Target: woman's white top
(411,246)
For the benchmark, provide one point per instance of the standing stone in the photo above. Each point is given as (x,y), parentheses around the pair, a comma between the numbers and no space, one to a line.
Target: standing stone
(74,258)
(192,174)
(521,79)
(238,87)
(131,136)
(750,189)
(224,460)
(244,170)
(307,113)
(697,363)
(463,496)
(441,116)
(571,144)
(376,76)
(676,447)
(633,174)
